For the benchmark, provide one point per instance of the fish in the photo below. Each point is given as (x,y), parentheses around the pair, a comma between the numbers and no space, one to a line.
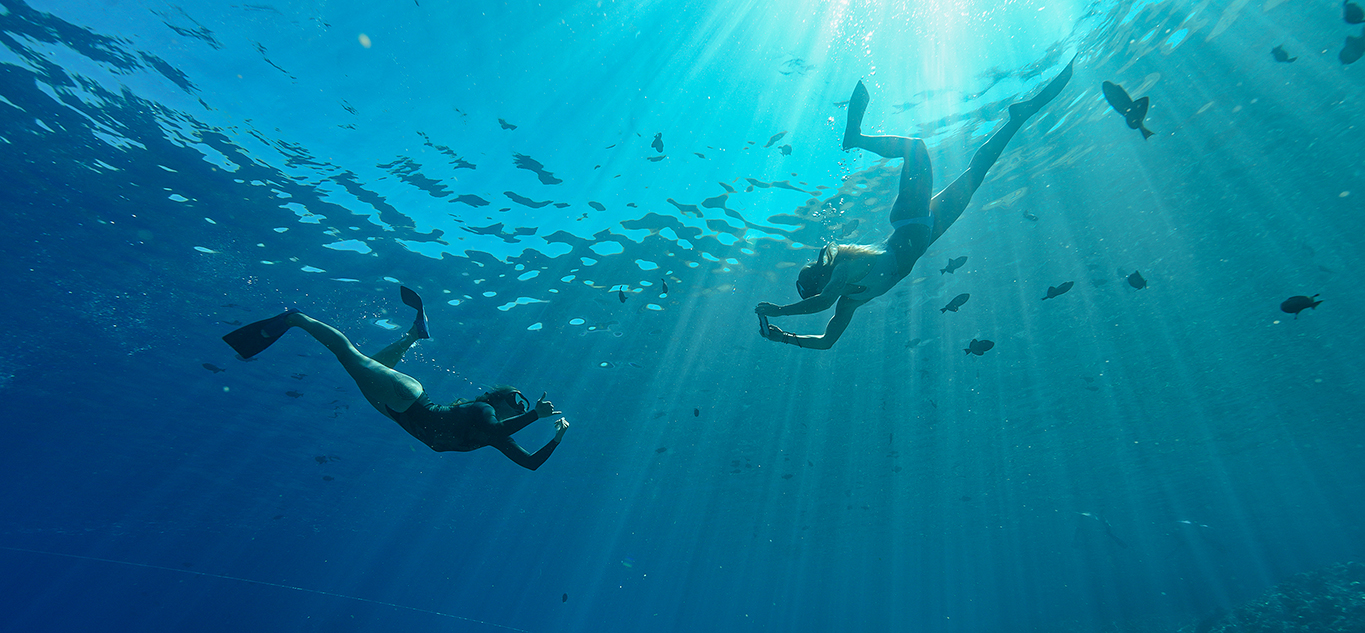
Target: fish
(1295,305)
(652,159)
(565,598)
(621,294)
(1133,111)
(665,283)
(293,394)
(1030,217)
(328,478)
(786,150)
(505,125)
(775,138)
(212,368)
(661,449)
(1281,56)
(233,322)
(1057,291)
(597,205)
(1135,280)
(953,264)
(1352,50)
(979,347)
(658,143)
(953,305)
(1351,12)
(696,413)
(788,476)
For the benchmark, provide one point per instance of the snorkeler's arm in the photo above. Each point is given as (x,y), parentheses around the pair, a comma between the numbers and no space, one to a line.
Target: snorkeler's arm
(833,330)
(818,303)
(516,453)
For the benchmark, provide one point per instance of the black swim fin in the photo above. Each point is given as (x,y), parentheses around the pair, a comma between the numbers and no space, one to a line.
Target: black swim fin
(252,339)
(412,300)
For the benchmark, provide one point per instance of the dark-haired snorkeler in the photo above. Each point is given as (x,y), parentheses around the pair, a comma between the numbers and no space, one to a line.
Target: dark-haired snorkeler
(488,420)
(853,274)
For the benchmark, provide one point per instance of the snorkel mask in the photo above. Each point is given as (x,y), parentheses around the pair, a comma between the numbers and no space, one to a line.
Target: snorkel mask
(813,277)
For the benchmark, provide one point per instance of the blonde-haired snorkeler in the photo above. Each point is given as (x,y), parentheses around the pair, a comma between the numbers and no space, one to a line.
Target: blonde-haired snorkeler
(852,274)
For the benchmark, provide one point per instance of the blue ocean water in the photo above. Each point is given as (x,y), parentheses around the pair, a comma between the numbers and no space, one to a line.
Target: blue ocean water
(1122,460)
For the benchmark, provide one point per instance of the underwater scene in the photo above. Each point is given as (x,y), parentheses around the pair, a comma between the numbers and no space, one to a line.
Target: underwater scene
(604,315)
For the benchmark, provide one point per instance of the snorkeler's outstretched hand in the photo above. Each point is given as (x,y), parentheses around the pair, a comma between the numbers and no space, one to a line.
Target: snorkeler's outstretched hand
(544,408)
(767,309)
(561,425)
(775,333)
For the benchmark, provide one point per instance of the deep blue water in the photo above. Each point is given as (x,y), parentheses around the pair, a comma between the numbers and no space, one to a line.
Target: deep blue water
(1122,459)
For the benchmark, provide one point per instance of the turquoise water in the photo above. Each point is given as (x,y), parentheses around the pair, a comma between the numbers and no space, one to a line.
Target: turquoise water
(1122,459)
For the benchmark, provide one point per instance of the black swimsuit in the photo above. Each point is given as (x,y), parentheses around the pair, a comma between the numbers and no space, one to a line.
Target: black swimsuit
(444,427)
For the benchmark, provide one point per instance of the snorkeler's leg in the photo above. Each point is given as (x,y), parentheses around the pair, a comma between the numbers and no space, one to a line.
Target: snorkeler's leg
(389,356)
(950,202)
(381,385)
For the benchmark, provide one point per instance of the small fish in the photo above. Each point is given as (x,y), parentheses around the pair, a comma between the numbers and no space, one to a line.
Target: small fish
(775,138)
(1281,55)
(328,478)
(1351,12)
(1030,217)
(1352,50)
(978,347)
(505,125)
(1057,291)
(1133,111)
(621,294)
(298,376)
(787,476)
(565,598)
(696,413)
(652,159)
(953,264)
(597,205)
(953,305)
(1295,305)
(665,282)
(1135,280)
(658,143)
(232,322)
(786,150)
(293,394)
(661,449)
(212,368)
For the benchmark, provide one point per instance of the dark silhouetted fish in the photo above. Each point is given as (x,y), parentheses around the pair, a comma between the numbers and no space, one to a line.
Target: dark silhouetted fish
(293,394)
(505,125)
(1030,217)
(1135,280)
(1133,111)
(212,368)
(1295,305)
(786,150)
(775,138)
(654,159)
(696,413)
(565,598)
(665,283)
(1281,55)
(1057,291)
(597,205)
(979,347)
(621,294)
(1352,50)
(658,143)
(1351,12)
(328,478)
(661,449)
(953,264)
(954,304)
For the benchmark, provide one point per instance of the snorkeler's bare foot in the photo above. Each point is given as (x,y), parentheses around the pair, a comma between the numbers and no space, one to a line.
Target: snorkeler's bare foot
(1026,109)
(857,105)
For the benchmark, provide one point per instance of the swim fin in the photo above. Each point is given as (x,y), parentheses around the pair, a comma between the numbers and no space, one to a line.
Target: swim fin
(412,300)
(252,339)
